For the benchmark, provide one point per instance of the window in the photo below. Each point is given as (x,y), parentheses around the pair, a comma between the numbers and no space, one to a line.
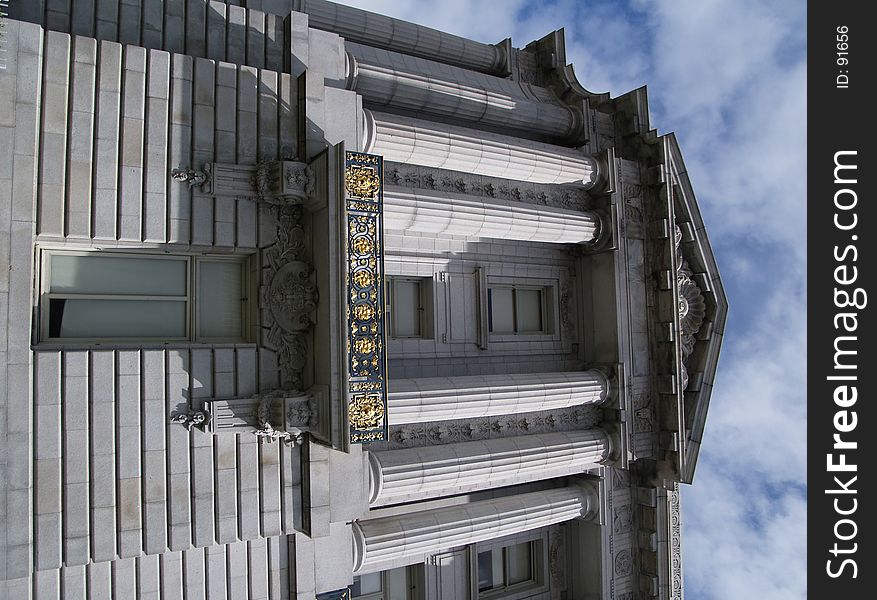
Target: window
(507,568)
(395,584)
(92,296)
(408,307)
(515,310)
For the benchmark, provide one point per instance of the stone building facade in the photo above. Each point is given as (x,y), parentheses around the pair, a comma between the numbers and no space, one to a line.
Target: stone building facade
(308,302)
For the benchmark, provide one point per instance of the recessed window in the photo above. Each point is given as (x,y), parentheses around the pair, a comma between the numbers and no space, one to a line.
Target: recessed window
(395,584)
(94,296)
(508,567)
(408,307)
(516,310)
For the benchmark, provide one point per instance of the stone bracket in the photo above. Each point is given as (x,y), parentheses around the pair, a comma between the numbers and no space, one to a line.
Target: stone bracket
(272,181)
(277,415)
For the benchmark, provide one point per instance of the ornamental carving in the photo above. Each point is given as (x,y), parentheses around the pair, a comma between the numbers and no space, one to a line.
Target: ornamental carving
(362,182)
(675,543)
(191,418)
(366,411)
(556,558)
(692,308)
(299,178)
(622,520)
(480,428)
(623,563)
(290,296)
(429,178)
(191,176)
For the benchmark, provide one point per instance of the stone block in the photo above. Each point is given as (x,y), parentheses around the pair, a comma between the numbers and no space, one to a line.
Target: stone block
(47,530)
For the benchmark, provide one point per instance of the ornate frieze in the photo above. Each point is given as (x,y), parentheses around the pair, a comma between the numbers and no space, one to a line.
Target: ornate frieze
(429,178)
(462,430)
(366,343)
(675,543)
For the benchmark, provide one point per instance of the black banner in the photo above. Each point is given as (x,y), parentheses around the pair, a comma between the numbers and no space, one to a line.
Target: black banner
(841,230)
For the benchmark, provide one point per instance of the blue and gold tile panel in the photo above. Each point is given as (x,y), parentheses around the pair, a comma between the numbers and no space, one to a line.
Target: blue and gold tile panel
(366,340)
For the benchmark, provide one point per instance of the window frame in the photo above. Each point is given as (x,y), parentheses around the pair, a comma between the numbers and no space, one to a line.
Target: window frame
(192,325)
(423,295)
(412,591)
(544,295)
(538,583)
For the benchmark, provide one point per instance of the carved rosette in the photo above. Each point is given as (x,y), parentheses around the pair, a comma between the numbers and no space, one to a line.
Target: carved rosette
(692,309)
(366,346)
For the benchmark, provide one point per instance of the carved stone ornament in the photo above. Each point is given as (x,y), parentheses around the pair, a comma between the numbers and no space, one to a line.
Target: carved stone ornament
(623,563)
(556,558)
(191,176)
(365,411)
(266,430)
(191,418)
(692,309)
(290,296)
(299,179)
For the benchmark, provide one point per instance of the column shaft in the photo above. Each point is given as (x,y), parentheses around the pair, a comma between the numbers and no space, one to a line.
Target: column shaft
(436,212)
(391,79)
(401,36)
(431,144)
(433,471)
(469,397)
(427,532)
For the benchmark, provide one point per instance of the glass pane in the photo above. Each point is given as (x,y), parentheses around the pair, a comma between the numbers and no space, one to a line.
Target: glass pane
(406,308)
(366,584)
(219,299)
(501,310)
(106,274)
(520,563)
(117,319)
(490,570)
(398,583)
(529,310)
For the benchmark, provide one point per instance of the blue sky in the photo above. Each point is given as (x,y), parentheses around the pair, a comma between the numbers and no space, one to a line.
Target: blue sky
(729,77)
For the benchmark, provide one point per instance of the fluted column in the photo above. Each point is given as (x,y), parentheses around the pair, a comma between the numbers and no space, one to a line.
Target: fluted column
(433,212)
(392,79)
(428,532)
(401,36)
(431,144)
(433,471)
(473,396)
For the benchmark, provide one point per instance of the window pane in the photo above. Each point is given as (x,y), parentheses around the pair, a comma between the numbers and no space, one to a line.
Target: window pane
(398,583)
(520,564)
(102,274)
(366,584)
(502,314)
(490,570)
(406,308)
(529,310)
(219,299)
(117,318)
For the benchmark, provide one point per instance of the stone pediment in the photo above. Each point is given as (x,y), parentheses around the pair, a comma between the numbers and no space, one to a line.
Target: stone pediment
(691,313)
